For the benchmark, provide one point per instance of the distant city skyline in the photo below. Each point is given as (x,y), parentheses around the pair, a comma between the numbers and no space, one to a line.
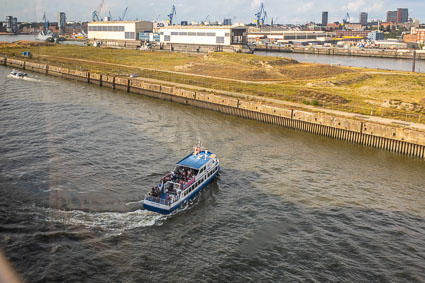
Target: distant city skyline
(282,11)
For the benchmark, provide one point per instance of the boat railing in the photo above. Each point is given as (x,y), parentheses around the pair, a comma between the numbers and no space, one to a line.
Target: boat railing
(159,200)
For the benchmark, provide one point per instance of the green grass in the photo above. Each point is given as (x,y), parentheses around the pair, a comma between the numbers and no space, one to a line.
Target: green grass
(363,91)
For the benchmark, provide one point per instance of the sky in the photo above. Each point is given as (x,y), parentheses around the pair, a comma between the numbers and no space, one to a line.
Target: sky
(241,11)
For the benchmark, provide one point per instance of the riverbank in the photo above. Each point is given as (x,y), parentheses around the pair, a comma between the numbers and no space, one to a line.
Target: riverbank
(388,94)
(408,139)
(378,53)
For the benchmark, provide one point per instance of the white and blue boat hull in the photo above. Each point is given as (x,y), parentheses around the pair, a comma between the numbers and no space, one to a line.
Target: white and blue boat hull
(207,166)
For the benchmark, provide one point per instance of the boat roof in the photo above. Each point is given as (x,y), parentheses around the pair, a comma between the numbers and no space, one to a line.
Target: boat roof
(195,161)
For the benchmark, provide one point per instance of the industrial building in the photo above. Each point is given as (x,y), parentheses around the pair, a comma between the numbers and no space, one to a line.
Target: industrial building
(204,38)
(289,36)
(118,33)
(376,35)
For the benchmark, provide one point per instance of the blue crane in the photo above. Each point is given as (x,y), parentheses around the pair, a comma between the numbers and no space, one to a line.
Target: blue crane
(171,15)
(46,22)
(96,13)
(346,19)
(206,19)
(123,15)
(261,16)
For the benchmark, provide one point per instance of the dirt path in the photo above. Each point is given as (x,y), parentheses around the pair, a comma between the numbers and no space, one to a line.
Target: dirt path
(164,71)
(381,120)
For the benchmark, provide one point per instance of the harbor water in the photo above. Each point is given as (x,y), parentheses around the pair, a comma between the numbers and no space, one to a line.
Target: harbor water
(32,37)
(353,61)
(288,206)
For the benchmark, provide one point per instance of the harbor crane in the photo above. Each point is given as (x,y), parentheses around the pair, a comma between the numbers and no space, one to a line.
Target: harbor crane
(261,16)
(123,14)
(46,22)
(206,19)
(96,13)
(345,20)
(171,15)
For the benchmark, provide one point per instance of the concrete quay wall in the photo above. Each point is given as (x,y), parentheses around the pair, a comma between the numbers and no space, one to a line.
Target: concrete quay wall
(395,138)
(398,54)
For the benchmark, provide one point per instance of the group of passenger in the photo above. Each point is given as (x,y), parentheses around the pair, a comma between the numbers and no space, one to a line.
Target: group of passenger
(180,175)
(156,192)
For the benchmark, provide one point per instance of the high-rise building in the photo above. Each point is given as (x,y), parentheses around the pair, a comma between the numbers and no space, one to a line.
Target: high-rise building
(11,24)
(363,18)
(392,16)
(324,18)
(61,22)
(402,15)
(227,22)
(14,25)
(9,20)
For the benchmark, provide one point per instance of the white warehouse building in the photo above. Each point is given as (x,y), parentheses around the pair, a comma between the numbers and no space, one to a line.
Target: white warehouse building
(118,33)
(204,38)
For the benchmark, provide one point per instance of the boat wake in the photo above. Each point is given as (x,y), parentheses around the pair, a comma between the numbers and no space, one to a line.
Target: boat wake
(107,221)
(23,78)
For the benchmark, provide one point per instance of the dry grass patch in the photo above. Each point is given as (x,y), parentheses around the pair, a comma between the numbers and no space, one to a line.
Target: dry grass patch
(306,71)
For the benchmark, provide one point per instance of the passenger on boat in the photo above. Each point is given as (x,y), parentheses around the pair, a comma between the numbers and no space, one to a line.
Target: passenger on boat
(155,192)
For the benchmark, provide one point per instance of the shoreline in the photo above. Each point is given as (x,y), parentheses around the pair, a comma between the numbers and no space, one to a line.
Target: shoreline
(377,53)
(395,136)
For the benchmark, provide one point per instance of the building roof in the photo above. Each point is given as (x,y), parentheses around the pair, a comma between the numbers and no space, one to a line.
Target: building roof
(195,161)
(204,27)
(117,22)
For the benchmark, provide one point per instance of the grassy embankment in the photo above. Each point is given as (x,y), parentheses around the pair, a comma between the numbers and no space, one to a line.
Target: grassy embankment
(391,94)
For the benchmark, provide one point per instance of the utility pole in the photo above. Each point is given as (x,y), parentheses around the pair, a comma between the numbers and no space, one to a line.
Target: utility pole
(414,61)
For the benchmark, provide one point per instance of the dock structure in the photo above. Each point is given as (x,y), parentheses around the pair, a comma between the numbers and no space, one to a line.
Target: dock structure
(392,136)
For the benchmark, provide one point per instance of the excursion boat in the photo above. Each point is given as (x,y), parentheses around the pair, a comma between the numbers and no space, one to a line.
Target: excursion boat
(188,178)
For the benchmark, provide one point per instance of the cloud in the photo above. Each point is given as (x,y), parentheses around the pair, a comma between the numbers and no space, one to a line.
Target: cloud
(255,4)
(306,7)
(288,11)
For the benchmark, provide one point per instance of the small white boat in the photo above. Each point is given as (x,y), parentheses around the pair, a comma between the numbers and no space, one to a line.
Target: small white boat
(17,74)
(189,177)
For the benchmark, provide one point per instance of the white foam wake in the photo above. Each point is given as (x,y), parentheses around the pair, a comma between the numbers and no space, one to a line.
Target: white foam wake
(108,221)
(23,78)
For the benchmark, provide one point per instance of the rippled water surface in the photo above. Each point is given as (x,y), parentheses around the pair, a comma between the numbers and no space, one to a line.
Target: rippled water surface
(76,161)
(353,61)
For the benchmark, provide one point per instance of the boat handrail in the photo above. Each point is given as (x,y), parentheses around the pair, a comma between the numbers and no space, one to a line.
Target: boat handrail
(173,200)
(159,200)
